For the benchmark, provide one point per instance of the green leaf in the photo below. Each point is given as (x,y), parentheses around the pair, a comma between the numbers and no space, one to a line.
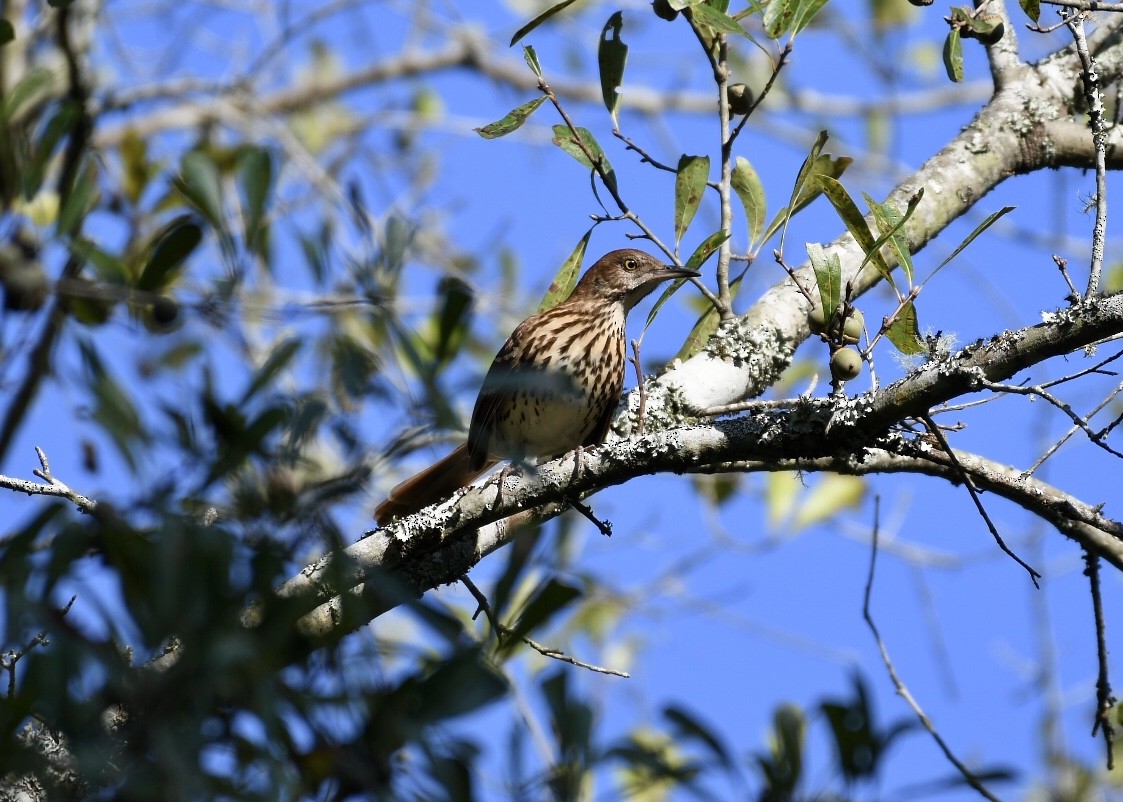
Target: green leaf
(1032,8)
(545,15)
(549,600)
(803,178)
(7,32)
(979,229)
(688,728)
(778,17)
(108,268)
(707,249)
(746,183)
(783,767)
(690,185)
(276,362)
(904,332)
(79,201)
(134,159)
(889,222)
(704,328)
(953,55)
(805,11)
(703,252)
(612,55)
(855,223)
(828,276)
(715,20)
(512,122)
(31,87)
(255,180)
(181,237)
(61,124)
(531,58)
(199,183)
(566,277)
(571,142)
(453,317)
(462,684)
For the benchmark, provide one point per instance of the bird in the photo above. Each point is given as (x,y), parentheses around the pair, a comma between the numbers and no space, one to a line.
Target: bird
(553,386)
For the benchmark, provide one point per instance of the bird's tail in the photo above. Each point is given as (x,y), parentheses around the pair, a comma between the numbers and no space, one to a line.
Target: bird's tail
(436,482)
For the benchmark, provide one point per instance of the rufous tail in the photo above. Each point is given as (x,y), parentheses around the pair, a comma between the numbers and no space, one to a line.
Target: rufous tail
(436,482)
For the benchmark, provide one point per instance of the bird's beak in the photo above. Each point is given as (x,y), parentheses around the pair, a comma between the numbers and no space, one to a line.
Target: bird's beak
(681,272)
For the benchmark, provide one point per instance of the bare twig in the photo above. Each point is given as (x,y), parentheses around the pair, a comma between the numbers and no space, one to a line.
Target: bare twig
(502,631)
(898,685)
(1094,98)
(53,486)
(970,485)
(1105,700)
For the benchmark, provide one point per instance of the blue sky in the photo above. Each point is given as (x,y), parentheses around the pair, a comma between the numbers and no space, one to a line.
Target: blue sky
(771,613)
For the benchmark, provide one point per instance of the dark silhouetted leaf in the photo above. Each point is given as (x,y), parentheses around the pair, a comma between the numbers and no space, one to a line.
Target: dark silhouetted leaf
(612,55)
(182,237)
(549,600)
(276,362)
(255,180)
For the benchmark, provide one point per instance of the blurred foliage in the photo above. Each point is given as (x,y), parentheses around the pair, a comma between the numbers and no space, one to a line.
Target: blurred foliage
(146,273)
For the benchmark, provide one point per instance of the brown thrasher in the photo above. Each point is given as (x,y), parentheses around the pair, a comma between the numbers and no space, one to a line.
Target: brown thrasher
(552,387)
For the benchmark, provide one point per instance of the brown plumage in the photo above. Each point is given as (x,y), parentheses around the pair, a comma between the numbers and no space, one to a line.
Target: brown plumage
(552,387)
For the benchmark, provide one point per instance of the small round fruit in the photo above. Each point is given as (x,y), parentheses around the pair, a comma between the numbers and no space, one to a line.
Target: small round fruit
(816,320)
(846,364)
(164,311)
(740,99)
(663,10)
(853,327)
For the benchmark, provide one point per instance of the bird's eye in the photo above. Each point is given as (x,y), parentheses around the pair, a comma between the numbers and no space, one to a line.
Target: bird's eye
(630,264)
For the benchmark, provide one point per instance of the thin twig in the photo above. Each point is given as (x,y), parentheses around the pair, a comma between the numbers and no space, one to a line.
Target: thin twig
(502,631)
(970,485)
(1094,98)
(641,408)
(898,685)
(1105,700)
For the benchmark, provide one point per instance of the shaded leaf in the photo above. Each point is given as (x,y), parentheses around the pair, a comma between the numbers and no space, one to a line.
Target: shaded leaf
(79,201)
(688,727)
(61,124)
(198,182)
(1032,8)
(453,318)
(746,183)
(591,155)
(134,158)
(463,683)
(512,122)
(566,277)
(782,768)
(280,357)
(7,32)
(545,15)
(904,332)
(690,185)
(255,180)
(612,55)
(181,237)
(549,600)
